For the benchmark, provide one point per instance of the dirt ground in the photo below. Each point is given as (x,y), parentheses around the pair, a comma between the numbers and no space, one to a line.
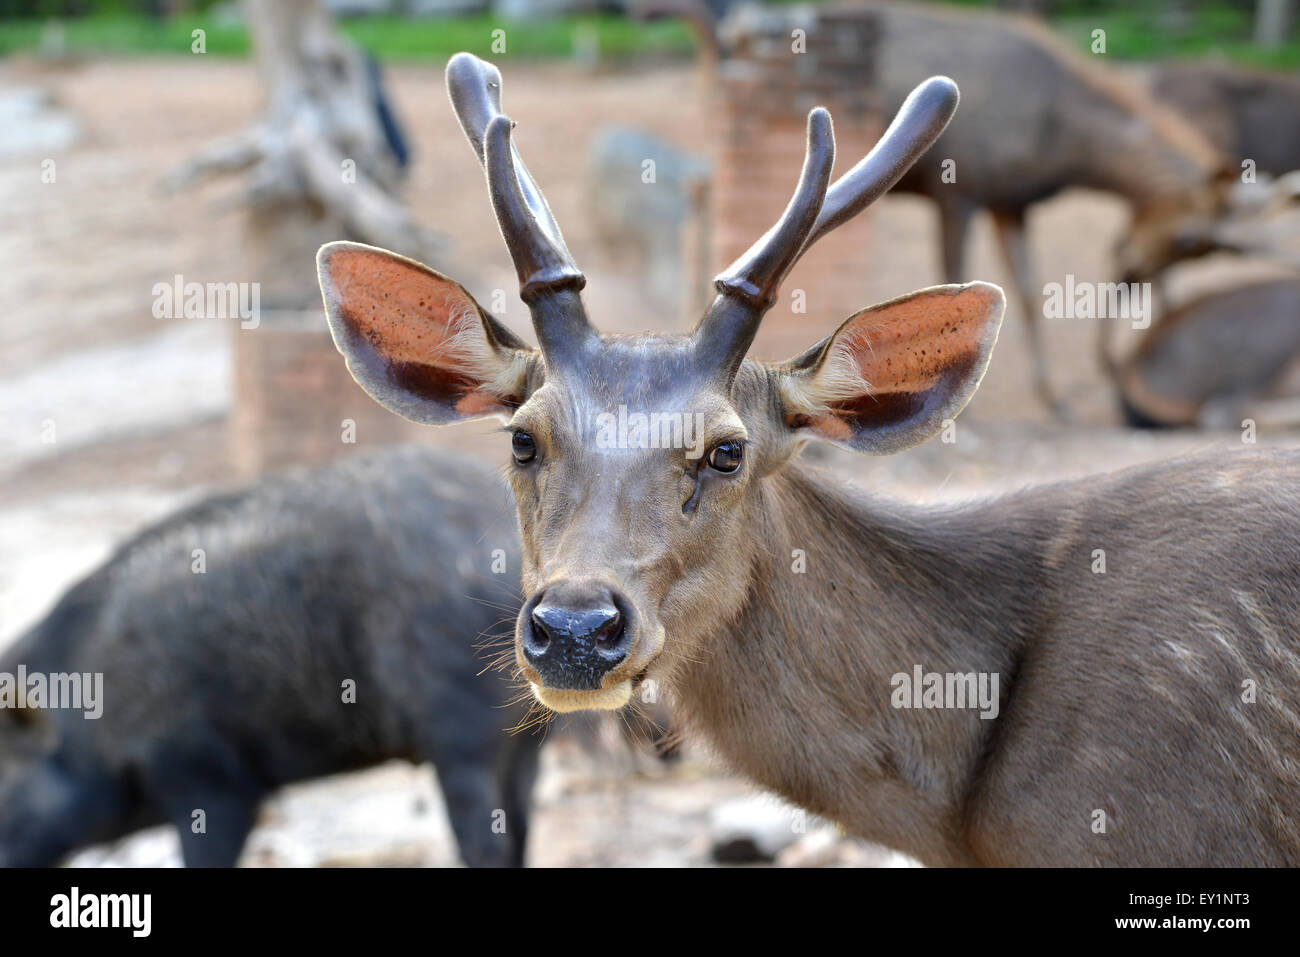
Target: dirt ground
(140,404)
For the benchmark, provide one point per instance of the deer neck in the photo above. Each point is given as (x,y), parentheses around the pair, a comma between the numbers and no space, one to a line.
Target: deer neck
(799,692)
(1139,152)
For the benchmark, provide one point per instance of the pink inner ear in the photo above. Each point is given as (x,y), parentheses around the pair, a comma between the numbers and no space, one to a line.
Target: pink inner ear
(410,326)
(908,345)
(920,356)
(404,312)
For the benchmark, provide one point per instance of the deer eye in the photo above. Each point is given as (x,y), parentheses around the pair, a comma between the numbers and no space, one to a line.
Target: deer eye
(524,447)
(727,456)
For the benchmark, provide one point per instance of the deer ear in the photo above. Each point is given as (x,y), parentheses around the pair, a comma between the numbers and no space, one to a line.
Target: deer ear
(415,340)
(891,374)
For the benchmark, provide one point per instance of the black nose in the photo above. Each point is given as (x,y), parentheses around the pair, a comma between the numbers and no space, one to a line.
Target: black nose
(575,637)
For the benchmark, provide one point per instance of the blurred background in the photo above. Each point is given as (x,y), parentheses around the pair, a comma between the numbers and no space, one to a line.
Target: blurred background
(145,146)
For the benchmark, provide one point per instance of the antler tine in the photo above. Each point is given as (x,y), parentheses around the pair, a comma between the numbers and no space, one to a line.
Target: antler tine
(749,287)
(558,316)
(549,279)
(922,117)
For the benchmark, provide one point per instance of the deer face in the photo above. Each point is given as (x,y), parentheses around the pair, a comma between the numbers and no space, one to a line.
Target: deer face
(629,484)
(1168,232)
(639,464)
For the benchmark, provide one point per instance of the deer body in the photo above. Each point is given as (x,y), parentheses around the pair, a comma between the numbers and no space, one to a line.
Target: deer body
(671,561)
(1102,674)
(1038,119)
(1248,114)
(1218,359)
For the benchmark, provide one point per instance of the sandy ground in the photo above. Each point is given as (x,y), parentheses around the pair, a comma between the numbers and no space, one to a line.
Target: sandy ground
(138,405)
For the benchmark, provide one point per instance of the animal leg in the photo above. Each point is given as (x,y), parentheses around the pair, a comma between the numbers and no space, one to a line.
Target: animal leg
(954,224)
(1010,225)
(203,788)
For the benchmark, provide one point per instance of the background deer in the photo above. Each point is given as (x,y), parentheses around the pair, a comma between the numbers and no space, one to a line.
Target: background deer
(1218,360)
(1122,734)
(1245,113)
(1039,119)
(1233,353)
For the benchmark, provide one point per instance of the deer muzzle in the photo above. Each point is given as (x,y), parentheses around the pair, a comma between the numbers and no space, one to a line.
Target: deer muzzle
(573,639)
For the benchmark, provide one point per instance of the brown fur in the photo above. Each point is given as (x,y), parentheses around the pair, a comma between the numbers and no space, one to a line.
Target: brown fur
(1218,353)
(1120,692)
(778,606)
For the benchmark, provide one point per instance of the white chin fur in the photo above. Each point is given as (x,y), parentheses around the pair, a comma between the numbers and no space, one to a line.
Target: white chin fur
(604,699)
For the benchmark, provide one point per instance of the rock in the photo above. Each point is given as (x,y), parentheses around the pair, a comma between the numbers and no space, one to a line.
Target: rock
(645,198)
(446,8)
(360,8)
(541,9)
(825,846)
(753,829)
(33,125)
(821,848)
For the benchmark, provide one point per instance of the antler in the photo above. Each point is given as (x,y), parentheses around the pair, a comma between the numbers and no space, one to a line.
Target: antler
(748,288)
(549,279)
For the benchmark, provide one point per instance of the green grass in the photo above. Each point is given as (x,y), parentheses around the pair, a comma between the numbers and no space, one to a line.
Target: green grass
(616,37)
(389,38)
(126,35)
(1135,30)
(1145,31)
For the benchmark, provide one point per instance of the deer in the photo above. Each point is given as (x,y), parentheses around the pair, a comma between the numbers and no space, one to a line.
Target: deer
(1041,119)
(1117,730)
(1246,113)
(1222,358)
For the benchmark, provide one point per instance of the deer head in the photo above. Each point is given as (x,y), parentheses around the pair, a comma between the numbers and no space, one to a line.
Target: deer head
(1169,230)
(1224,215)
(642,465)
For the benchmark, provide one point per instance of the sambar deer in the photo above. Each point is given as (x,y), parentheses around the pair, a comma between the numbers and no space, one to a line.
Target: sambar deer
(1218,360)
(1040,119)
(1119,730)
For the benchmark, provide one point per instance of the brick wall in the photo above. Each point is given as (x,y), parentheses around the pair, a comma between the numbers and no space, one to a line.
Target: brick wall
(763,90)
(292,395)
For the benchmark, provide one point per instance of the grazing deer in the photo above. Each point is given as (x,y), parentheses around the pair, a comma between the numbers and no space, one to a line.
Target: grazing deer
(1233,353)
(1117,730)
(1039,119)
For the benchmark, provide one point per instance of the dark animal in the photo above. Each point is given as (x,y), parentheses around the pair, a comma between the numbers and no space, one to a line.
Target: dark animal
(337,623)
(963,684)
